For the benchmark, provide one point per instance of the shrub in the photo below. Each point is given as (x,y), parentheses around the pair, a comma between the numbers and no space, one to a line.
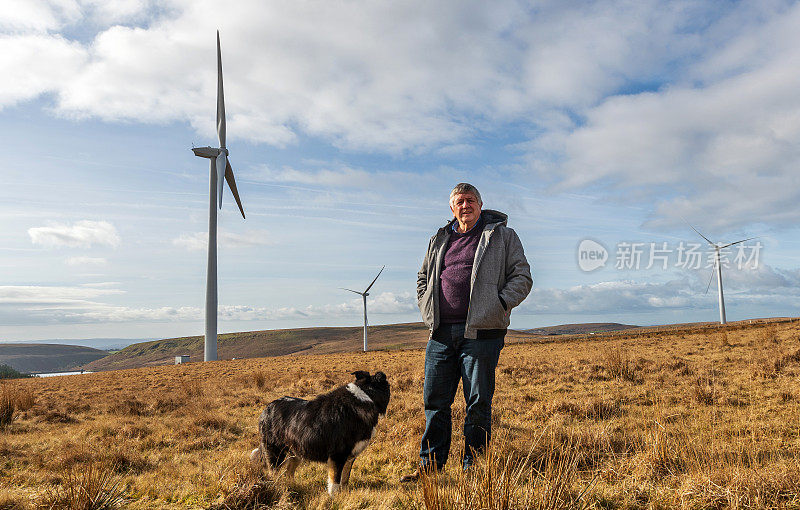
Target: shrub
(7,372)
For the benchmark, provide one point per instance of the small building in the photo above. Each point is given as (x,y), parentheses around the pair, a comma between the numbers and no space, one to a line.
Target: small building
(184,358)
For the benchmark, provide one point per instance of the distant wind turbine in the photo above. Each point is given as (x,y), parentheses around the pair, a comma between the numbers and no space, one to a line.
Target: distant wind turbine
(220,169)
(364,297)
(718,267)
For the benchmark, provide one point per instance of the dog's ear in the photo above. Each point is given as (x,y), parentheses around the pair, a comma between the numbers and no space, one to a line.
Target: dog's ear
(361,374)
(379,377)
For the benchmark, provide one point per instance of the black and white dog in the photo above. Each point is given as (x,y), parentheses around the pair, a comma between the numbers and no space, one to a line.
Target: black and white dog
(333,428)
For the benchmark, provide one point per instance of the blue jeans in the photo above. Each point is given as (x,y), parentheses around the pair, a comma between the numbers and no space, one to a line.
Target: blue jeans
(448,358)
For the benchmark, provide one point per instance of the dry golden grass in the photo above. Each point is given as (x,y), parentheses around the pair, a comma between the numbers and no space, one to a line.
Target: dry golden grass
(683,418)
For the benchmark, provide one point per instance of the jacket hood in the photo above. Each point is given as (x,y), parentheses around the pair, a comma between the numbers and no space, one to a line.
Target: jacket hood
(490,218)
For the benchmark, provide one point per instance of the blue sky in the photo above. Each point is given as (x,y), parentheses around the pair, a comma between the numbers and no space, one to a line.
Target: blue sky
(348,124)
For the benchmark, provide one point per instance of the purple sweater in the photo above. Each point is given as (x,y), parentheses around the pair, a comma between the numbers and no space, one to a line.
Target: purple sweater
(456,272)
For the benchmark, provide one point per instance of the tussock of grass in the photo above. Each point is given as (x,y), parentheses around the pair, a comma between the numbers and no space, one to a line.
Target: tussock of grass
(619,365)
(260,379)
(24,399)
(132,407)
(503,480)
(9,502)
(252,490)
(91,485)
(8,405)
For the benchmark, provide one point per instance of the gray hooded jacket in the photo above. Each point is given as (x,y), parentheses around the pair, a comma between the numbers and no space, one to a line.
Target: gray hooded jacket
(500,271)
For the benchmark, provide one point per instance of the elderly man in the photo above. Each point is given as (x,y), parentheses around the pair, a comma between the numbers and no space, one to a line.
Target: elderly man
(473,274)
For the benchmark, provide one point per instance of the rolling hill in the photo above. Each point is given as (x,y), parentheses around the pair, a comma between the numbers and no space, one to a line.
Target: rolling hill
(275,342)
(580,329)
(35,358)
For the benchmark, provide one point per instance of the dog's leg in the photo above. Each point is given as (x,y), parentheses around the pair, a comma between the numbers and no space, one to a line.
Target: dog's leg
(335,468)
(290,465)
(346,470)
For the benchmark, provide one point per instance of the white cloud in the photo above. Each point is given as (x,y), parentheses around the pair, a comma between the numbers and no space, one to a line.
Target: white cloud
(39,63)
(107,12)
(38,15)
(246,239)
(417,76)
(194,241)
(52,305)
(51,15)
(718,146)
(713,137)
(82,234)
(86,261)
(199,240)
(610,297)
(51,295)
(763,285)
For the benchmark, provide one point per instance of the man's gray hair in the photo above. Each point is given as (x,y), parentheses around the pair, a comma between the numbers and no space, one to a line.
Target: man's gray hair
(465,187)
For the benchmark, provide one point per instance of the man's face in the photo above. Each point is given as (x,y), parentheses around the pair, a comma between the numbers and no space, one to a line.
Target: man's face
(466,208)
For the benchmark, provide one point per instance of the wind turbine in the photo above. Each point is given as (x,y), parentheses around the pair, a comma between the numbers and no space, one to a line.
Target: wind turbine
(220,169)
(364,297)
(718,266)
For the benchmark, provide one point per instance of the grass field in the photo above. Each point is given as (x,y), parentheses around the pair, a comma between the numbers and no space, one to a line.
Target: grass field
(698,417)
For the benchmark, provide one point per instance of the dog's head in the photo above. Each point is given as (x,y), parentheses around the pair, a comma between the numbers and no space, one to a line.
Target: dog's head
(376,386)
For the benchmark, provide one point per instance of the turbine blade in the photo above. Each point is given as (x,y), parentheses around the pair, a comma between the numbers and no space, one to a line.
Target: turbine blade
(701,235)
(232,185)
(221,162)
(220,98)
(351,290)
(737,242)
(376,279)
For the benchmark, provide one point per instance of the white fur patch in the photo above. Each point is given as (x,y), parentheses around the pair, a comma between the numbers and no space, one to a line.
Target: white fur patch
(333,488)
(360,446)
(358,392)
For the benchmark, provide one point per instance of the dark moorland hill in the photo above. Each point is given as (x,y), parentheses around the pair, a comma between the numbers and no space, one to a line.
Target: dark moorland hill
(302,341)
(35,358)
(275,342)
(580,329)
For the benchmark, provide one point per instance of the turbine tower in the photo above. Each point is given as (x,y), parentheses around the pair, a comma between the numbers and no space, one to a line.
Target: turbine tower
(364,297)
(718,267)
(220,169)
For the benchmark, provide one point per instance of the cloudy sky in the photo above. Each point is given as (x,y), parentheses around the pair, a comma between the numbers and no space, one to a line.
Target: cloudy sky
(348,124)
